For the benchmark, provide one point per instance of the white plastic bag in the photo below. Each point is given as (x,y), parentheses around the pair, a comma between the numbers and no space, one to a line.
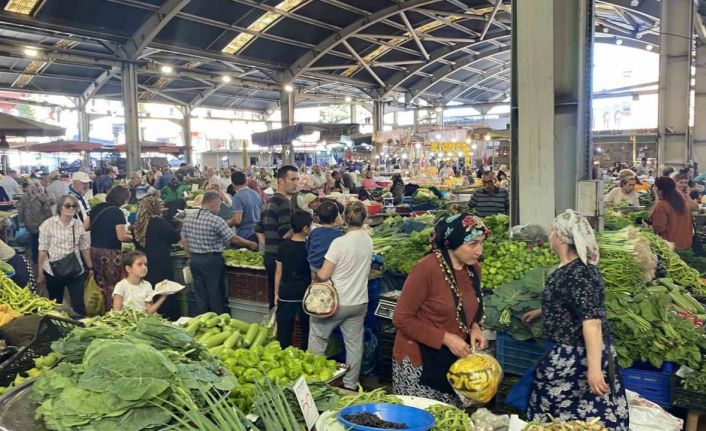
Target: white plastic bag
(648,416)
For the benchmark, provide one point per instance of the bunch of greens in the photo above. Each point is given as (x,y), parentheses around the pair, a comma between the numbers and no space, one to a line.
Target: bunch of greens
(361,397)
(423,194)
(325,397)
(695,381)
(272,407)
(623,251)
(646,329)
(404,252)
(450,418)
(676,268)
(511,260)
(615,221)
(499,225)
(509,302)
(121,374)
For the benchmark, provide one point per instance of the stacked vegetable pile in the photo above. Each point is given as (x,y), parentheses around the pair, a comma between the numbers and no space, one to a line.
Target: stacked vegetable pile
(221,332)
(244,258)
(675,267)
(510,301)
(511,260)
(22,300)
(589,425)
(424,194)
(402,243)
(125,372)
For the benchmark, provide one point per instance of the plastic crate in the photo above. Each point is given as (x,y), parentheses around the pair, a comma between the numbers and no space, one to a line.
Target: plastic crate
(650,383)
(515,356)
(248,284)
(424,206)
(685,398)
(50,329)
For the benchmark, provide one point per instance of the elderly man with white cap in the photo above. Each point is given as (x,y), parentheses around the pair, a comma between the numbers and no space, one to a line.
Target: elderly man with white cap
(78,189)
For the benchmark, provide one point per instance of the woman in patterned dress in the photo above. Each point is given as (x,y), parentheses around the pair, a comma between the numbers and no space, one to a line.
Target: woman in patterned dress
(438,313)
(578,378)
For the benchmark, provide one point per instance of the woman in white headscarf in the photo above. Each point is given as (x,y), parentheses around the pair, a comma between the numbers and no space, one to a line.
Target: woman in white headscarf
(577,379)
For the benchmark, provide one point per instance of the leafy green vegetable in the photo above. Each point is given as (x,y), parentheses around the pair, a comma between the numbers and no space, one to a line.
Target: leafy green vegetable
(505,307)
(507,260)
(243,258)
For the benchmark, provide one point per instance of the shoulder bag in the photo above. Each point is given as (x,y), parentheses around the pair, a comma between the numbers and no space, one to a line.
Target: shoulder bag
(68,266)
(320,299)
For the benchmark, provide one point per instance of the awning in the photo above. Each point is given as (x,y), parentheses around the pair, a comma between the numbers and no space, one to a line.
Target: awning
(18,126)
(60,146)
(285,135)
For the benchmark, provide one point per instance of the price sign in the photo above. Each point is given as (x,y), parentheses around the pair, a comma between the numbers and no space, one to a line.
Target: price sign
(306,402)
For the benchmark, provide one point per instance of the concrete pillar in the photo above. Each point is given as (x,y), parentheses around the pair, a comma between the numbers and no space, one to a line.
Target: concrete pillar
(186,131)
(354,113)
(84,132)
(287,118)
(378,121)
(132,126)
(699,132)
(675,58)
(550,106)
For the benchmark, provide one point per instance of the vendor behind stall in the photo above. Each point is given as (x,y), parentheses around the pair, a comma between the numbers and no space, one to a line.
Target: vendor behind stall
(439,310)
(625,194)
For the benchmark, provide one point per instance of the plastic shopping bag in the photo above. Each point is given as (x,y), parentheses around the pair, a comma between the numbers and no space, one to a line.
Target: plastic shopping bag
(93,298)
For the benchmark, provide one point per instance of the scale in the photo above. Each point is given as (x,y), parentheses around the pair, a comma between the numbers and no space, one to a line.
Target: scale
(387,304)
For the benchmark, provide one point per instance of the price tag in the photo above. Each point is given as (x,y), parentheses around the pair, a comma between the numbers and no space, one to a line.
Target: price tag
(194,187)
(306,402)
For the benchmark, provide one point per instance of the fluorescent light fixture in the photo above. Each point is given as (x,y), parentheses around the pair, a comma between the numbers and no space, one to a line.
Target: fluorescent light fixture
(31,52)
(226,78)
(167,69)
(618,41)
(288,88)
(649,47)
(24,7)
(348,99)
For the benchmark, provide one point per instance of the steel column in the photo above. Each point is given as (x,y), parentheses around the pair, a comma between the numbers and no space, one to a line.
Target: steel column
(132,126)
(186,131)
(84,132)
(550,106)
(675,58)
(378,120)
(287,119)
(699,138)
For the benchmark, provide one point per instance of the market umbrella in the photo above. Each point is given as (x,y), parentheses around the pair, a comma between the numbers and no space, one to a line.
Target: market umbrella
(60,146)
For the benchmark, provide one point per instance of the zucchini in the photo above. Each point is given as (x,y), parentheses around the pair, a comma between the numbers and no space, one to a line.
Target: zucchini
(239,325)
(210,323)
(192,327)
(251,334)
(206,316)
(231,340)
(215,340)
(260,337)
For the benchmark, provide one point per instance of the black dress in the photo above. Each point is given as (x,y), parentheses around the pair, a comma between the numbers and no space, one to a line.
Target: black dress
(159,238)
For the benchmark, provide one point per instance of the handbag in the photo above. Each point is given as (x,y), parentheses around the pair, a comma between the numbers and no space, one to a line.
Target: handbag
(320,299)
(68,266)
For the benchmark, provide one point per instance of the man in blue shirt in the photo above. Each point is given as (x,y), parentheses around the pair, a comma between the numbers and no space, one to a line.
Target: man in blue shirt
(247,205)
(163,181)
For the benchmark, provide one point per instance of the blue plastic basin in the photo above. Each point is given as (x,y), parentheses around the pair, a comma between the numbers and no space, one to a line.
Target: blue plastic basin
(415,419)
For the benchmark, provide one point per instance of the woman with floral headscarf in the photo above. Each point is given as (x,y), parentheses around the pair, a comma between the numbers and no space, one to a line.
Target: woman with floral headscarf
(577,379)
(439,311)
(154,236)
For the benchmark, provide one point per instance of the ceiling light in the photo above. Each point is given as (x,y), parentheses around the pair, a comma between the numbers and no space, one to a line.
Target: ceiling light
(468,140)
(269,111)
(606,30)
(439,109)
(417,145)
(438,136)
(348,99)
(225,78)
(649,47)
(377,156)
(454,140)
(24,7)
(167,69)
(618,41)
(460,154)
(31,52)
(288,88)
(487,137)
(474,146)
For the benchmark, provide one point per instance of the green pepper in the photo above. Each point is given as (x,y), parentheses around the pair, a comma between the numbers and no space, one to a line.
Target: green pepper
(252,375)
(238,370)
(265,366)
(325,375)
(248,360)
(276,373)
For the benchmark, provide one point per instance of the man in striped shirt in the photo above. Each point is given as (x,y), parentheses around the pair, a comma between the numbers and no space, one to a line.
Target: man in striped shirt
(490,200)
(274,226)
